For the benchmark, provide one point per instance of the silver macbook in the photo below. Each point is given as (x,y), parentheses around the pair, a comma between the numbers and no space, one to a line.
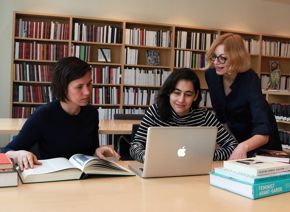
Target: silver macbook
(177,151)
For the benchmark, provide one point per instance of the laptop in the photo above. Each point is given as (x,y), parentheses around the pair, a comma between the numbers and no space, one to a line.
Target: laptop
(177,151)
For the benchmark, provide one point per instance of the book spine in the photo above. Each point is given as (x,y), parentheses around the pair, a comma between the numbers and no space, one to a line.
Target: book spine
(271,188)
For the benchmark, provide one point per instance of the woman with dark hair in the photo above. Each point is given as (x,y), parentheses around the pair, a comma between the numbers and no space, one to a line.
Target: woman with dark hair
(65,126)
(178,105)
(236,96)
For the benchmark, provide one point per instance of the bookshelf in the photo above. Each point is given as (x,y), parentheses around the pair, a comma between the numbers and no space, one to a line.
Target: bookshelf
(38,42)
(147,62)
(130,60)
(99,43)
(277,49)
(190,48)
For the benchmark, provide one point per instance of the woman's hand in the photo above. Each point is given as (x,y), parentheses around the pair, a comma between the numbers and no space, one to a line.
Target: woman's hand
(107,151)
(24,159)
(239,152)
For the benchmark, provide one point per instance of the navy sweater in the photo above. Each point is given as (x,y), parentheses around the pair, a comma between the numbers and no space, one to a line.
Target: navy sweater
(57,133)
(244,109)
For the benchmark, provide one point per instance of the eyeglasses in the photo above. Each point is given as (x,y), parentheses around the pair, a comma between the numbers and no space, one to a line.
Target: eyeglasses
(220,58)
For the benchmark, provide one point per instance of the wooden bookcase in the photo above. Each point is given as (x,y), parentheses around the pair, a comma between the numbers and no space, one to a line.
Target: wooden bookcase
(147,62)
(277,49)
(138,58)
(99,43)
(190,48)
(38,42)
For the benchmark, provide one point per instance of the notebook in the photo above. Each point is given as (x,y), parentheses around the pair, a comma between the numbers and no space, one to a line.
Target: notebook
(177,151)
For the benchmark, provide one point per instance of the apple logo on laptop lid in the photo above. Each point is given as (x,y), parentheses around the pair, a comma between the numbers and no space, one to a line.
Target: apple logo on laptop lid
(181,152)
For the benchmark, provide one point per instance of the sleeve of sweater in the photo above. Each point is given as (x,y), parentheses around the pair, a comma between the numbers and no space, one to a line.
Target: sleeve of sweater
(138,145)
(225,140)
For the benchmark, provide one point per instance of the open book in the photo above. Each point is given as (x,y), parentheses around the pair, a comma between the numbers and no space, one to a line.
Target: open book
(77,167)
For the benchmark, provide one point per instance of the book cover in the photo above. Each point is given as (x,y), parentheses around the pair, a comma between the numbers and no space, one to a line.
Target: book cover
(152,57)
(275,75)
(79,166)
(252,191)
(5,162)
(273,155)
(8,178)
(255,167)
(104,55)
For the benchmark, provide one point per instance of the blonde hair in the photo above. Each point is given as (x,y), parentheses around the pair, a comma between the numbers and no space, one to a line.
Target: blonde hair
(238,56)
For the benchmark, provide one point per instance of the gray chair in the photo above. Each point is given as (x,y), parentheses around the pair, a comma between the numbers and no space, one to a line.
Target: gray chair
(122,142)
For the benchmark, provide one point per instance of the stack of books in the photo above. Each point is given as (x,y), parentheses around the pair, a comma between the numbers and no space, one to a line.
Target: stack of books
(8,174)
(252,177)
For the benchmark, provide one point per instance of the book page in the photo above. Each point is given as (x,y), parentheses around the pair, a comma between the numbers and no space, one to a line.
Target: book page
(94,165)
(80,160)
(49,166)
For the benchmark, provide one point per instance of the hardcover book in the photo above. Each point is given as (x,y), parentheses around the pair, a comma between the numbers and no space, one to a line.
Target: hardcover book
(79,166)
(252,191)
(256,167)
(5,162)
(8,177)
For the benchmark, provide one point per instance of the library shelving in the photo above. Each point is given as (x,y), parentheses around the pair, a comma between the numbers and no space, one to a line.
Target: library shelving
(38,42)
(99,43)
(147,62)
(130,60)
(190,48)
(276,61)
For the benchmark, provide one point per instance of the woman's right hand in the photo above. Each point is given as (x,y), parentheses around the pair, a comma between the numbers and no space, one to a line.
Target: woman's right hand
(24,159)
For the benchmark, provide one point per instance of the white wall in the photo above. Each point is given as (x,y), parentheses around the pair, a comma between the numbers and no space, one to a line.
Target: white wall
(259,16)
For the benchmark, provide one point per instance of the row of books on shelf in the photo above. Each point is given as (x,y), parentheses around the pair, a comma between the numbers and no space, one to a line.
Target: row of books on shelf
(284,138)
(106,95)
(106,75)
(252,45)
(252,177)
(22,112)
(40,51)
(275,48)
(29,93)
(281,111)
(283,82)
(189,59)
(52,30)
(144,37)
(139,96)
(83,52)
(86,32)
(32,72)
(131,56)
(194,40)
(145,77)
